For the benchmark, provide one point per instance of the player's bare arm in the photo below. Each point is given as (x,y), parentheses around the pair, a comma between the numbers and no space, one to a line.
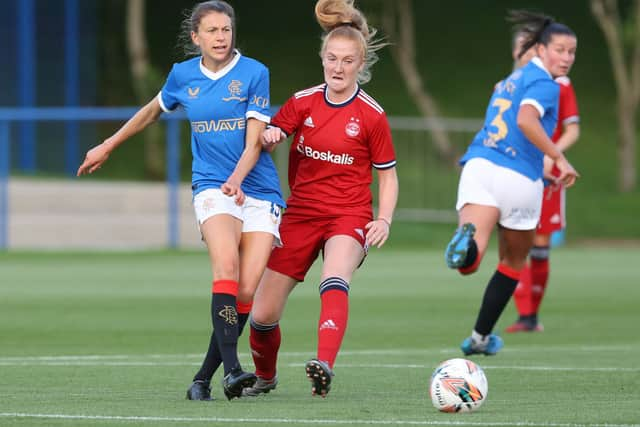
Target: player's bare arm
(248,160)
(100,153)
(529,124)
(378,230)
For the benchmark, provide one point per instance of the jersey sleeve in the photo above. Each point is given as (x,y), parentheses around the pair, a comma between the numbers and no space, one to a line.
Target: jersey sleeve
(168,96)
(383,155)
(541,94)
(259,102)
(287,117)
(568,108)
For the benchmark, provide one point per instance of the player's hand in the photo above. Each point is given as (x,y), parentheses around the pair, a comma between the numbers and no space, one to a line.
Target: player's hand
(231,188)
(568,174)
(547,174)
(271,137)
(377,232)
(94,159)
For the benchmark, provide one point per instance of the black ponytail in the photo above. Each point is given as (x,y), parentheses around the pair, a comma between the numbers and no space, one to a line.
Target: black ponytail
(535,28)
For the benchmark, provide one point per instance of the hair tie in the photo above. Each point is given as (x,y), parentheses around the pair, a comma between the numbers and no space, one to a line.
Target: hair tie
(348,24)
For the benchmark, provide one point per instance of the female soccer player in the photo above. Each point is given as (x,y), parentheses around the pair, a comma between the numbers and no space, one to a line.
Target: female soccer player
(236,190)
(501,181)
(534,277)
(340,133)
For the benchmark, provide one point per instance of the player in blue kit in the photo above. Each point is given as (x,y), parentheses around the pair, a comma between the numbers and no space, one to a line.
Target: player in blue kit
(502,176)
(236,191)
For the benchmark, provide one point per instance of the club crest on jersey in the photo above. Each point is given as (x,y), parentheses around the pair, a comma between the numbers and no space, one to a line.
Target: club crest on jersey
(193,92)
(353,127)
(235,91)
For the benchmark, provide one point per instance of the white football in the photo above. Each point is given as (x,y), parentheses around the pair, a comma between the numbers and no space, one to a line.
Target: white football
(458,385)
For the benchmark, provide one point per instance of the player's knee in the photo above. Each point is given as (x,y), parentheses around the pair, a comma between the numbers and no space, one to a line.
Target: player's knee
(264,314)
(227,268)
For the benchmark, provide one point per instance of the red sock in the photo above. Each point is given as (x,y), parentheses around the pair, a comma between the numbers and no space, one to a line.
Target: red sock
(265,343)
(334,314)
(539,278)
(244,308)
(522,294)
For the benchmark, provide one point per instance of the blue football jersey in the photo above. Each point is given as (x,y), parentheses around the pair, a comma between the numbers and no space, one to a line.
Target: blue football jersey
(500,140)
(218,106)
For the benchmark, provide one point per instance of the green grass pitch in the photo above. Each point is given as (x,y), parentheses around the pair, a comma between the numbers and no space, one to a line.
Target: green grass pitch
(113,339)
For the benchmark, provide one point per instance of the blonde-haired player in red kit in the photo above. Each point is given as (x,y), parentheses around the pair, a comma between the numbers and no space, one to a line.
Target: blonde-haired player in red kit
(534,277)
(340,134)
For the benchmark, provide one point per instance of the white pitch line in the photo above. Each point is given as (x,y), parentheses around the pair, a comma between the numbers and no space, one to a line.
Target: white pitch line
(99,357)
(301,421)
(96,363)
(519,368)
(310,353)
(298,365)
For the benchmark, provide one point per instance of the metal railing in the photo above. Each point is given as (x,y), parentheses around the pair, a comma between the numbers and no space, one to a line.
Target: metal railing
(95,114)
(419,161)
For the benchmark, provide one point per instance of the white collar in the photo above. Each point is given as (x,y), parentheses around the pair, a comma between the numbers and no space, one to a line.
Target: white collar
(536,60)
(219,74)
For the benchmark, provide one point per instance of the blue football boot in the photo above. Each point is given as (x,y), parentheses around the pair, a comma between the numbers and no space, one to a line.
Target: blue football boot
(469,346)
(458,247)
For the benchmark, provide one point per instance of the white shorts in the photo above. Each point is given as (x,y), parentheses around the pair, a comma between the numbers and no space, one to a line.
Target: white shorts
(518,198)
(255,214)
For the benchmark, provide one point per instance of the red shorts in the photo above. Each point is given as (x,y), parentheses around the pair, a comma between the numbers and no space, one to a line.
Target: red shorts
(304,237)
(552,217)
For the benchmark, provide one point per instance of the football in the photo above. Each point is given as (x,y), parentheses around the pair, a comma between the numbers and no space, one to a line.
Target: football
(458,385)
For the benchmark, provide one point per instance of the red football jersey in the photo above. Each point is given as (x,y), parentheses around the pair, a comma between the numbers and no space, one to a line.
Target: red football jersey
(567,108)
(552,216)
(333,150)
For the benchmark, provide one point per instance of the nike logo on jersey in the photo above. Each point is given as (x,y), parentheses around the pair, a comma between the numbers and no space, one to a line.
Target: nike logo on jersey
(309,122)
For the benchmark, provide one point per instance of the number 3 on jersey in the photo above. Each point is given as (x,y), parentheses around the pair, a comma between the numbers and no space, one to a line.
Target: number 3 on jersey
(498,121)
